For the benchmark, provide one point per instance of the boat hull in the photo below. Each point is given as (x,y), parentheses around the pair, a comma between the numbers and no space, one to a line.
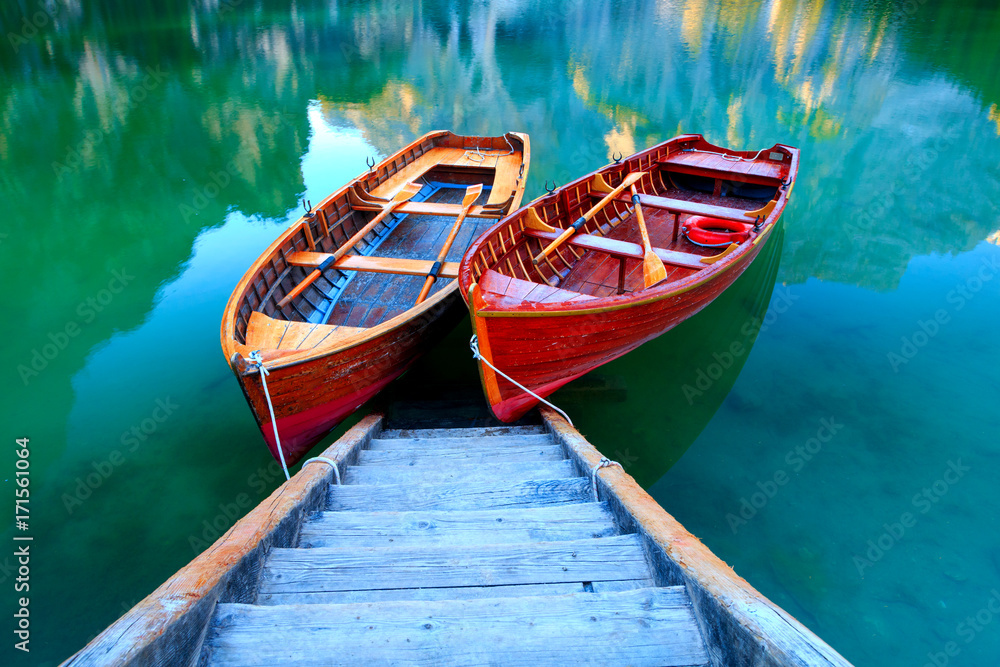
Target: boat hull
(547,351)
(311,397)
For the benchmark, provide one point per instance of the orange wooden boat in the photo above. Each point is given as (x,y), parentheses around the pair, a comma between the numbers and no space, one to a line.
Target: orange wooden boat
(347,298)
(601,265)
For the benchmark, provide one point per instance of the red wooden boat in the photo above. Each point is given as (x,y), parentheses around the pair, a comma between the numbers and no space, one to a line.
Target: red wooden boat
(601,265)
(344,301)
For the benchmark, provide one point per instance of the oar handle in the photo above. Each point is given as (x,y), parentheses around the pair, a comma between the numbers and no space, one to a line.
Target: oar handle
(361,233)
(471,194)
(307,281)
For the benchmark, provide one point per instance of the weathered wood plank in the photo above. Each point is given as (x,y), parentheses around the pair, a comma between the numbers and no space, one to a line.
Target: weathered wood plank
(452,593)
(463,472)
(444,457)
(575,521)
(372,568)
(401,497)
(494,441)
(642,627)
(476,432)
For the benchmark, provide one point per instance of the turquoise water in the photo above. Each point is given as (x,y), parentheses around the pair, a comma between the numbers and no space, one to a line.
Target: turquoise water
(150,151)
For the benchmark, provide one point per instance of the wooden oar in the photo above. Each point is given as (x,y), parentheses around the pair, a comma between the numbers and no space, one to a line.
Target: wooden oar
(582,220)
(471,194)
(653,270)
(403,195)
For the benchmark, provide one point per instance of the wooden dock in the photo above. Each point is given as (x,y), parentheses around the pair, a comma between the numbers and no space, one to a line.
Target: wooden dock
(455,547)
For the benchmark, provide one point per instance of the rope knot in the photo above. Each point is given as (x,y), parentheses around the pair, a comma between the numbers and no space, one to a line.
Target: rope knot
(605,462)
(257,362)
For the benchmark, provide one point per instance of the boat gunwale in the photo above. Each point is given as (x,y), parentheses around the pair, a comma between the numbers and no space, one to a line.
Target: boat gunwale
(645,296)
(231,346)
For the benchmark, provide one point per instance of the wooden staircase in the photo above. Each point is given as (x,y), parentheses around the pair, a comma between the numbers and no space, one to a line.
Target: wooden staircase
(455,547)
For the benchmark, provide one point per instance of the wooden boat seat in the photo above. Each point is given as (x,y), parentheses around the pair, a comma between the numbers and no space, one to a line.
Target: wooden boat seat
(760,171)
(508,169)
(402,267)
(623,249)
(498,284)
(687,207)
(267,333)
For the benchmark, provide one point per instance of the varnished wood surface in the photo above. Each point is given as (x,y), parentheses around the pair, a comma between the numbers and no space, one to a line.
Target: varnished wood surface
(394,265)
(530,320)
(319,378)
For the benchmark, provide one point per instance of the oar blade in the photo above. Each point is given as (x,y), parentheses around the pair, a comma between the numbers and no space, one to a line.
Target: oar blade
(472,194)
(653,270)
(407,192)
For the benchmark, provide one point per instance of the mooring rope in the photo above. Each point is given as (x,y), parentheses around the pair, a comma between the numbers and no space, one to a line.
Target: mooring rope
(474,344)
(323,459)
(725,156)
(256,359)
(605,462)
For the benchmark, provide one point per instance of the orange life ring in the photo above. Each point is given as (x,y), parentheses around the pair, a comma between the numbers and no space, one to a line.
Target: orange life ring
(713,232)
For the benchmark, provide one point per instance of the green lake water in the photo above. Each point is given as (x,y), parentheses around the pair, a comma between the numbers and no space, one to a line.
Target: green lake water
(828,426)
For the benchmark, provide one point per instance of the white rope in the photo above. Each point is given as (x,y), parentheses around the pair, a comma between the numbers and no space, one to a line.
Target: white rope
(605,462)
(323,459)
(474,344)
(482,156)
(726,156)
(256,359)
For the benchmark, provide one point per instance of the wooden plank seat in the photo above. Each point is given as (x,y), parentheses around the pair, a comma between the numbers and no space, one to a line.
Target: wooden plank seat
(687,207)
(402,267)
(668,164)
(508,171)
(267,333)
(733,168)
(365,201)
(525,290)
(624,249)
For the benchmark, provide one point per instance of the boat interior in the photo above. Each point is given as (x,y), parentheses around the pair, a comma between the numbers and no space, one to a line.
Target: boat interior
(606,258)
(362,256)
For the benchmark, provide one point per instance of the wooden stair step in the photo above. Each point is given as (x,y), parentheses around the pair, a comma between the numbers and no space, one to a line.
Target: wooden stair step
(649,626)
(476,432)
(463,472)
(501,493)
(435,527)
(454,592)
(307,572)
(445,457)
(473,443)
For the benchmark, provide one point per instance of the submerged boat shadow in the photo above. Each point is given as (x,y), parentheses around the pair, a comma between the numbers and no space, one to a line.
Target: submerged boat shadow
(654,402)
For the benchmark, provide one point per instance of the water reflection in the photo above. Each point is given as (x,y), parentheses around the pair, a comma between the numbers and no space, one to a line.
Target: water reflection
(170,140)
